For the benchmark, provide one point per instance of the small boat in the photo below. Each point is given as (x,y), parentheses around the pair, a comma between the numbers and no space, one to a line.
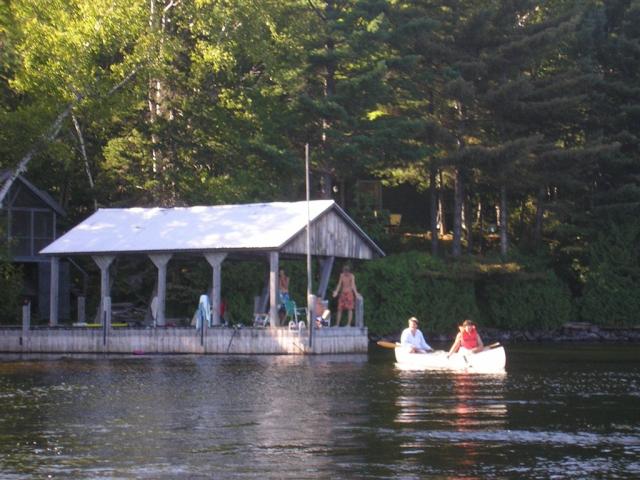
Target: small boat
(490,360)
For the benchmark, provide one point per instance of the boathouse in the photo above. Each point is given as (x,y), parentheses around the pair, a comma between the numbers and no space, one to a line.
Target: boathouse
(271,231)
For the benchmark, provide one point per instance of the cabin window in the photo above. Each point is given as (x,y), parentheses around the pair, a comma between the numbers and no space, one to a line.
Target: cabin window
(42,230)
(31,231)
(21,225)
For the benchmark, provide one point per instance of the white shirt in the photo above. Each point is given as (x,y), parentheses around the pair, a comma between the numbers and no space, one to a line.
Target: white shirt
(407,339)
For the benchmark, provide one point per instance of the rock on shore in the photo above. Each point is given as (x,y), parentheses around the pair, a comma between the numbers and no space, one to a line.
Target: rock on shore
(569,332)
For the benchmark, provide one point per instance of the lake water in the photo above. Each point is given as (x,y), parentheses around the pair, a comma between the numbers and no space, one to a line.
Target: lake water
(559,412)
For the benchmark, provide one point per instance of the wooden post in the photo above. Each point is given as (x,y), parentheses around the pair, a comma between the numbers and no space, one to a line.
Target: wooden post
(273,289)
(312,302)
(215,260)
(263,299)
(160,261)
(26,319)
(359,311)
(104,261)
(106,319)
(82,315)
(54,291)
(325,274)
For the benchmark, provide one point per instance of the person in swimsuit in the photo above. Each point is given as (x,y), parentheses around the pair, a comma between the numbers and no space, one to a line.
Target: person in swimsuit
(347,289)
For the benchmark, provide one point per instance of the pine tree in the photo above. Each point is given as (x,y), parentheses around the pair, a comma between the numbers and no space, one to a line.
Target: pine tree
(342,104)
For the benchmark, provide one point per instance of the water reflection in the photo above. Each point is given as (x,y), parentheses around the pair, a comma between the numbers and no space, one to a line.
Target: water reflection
(443,412)
(317,417)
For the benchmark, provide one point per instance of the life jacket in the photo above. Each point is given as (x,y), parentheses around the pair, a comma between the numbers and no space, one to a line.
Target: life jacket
(469,339)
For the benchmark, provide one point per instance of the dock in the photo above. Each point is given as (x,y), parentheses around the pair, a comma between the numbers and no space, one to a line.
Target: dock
(183,340)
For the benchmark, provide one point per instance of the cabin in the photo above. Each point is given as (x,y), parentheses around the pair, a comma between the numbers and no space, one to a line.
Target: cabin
(31,221)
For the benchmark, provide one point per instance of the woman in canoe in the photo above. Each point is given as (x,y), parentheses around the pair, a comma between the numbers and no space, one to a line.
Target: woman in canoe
(467,338)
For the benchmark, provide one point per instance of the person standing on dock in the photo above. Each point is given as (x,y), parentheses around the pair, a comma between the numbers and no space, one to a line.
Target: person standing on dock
(283,292)
(413,339)
(347,289)
(283,286)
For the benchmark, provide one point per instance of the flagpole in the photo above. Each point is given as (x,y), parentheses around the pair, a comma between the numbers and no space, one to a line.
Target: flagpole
(309,301)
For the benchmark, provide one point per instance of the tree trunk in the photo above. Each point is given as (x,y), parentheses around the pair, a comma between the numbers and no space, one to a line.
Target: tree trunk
(441,220)
(503,221)
(161,155)
(329,91)
(469,223)
(85,159)
(458,200)
(522,224)
(537,230)
(433,208)
(481,226)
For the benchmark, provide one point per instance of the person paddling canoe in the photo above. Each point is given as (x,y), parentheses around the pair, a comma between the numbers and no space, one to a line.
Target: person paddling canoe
(413,339)
(467,338)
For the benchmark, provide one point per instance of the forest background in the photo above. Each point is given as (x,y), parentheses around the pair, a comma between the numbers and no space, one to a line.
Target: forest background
(516,123)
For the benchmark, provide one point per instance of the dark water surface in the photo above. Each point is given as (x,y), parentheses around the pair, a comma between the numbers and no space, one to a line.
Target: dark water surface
(558,412)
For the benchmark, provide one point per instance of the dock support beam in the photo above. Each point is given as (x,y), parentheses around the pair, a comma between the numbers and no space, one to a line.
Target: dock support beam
(26,323)
(215,260)
(160,261)
(273,289)
(326,265)
(104,262)
(54,291)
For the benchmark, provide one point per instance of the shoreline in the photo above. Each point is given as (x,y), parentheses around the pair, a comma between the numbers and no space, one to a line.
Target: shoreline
(573,332)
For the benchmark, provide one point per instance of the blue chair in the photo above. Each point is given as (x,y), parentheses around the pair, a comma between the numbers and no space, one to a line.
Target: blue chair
(293,312)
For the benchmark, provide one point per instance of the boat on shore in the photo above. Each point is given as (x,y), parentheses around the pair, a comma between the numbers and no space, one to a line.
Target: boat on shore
(490,360)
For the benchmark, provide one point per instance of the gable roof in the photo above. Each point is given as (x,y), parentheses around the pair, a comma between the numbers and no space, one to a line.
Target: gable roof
(7,177)
(248,227)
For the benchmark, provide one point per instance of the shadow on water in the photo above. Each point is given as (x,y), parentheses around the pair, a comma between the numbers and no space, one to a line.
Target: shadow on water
(557,412)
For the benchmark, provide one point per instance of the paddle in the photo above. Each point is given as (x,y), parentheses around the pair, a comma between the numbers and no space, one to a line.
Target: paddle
(386,344)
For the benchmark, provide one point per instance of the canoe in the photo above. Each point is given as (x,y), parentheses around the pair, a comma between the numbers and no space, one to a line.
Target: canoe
(490,360)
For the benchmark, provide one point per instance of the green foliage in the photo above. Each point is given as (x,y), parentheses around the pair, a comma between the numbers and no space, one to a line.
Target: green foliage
(11,281)
(441,295)
(400,286)
(10,292)
(525,304)
(241,282)
(612,290)
(374,222)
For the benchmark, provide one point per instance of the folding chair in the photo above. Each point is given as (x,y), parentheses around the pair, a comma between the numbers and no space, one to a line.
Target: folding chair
(293,312)
(260,319)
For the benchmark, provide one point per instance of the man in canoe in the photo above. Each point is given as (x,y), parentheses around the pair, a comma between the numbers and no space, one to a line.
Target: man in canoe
(467,338)
(413,339)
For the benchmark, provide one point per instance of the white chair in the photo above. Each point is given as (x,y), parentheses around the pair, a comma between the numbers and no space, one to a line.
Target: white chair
(260,319)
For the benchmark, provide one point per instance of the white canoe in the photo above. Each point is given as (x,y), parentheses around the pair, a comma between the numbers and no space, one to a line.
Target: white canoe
(491,360)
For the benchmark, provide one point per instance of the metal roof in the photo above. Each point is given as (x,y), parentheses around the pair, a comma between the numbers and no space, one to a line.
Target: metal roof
(258,226)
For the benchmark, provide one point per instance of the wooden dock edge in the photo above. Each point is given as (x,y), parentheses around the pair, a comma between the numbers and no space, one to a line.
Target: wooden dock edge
(176,340)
